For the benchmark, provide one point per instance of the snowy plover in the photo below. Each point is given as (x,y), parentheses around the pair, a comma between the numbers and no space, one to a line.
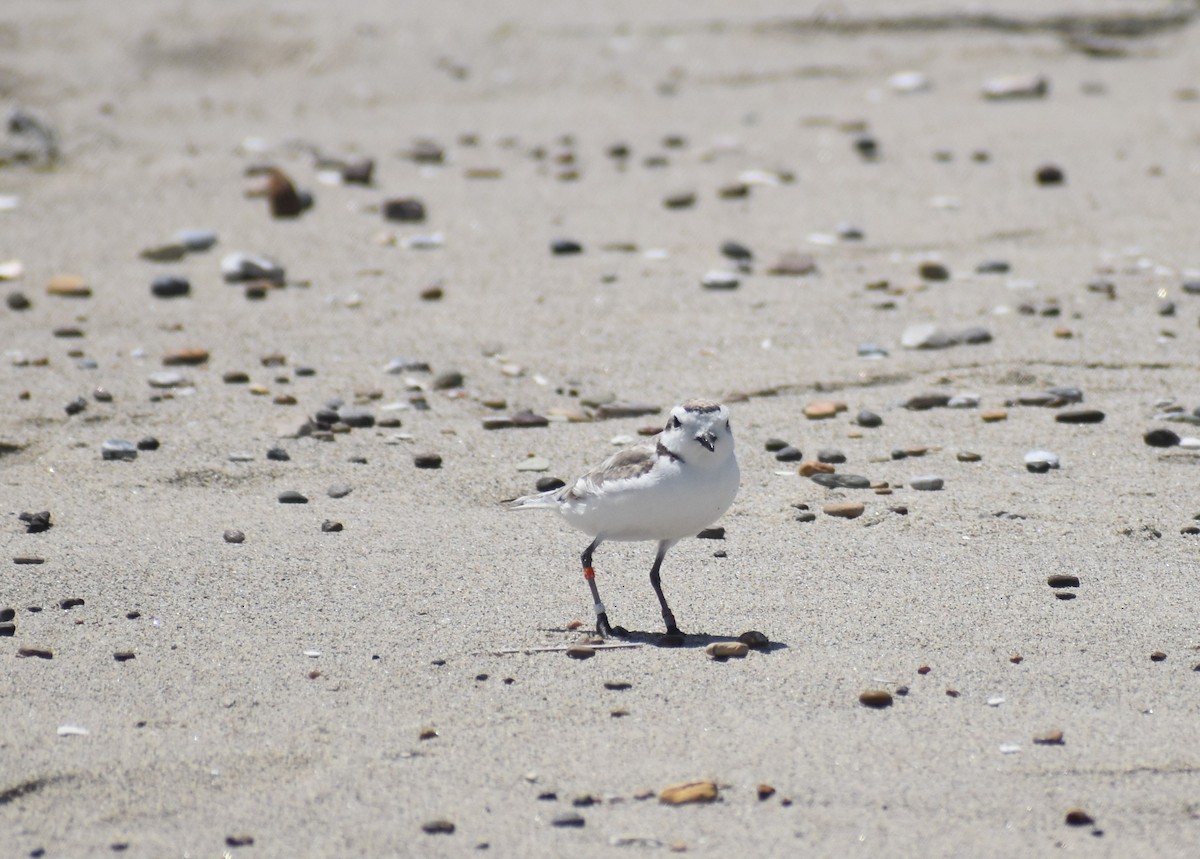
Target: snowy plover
(663,492)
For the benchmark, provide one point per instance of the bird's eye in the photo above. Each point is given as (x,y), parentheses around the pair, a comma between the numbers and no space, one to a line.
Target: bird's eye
(675,424)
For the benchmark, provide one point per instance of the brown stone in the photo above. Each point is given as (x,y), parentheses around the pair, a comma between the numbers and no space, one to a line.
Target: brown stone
(810,467)
(185,357)
(581,651)
(877,698)
(727,649)
(1050,738)
(819,409)
(765,791)
(702,790)
(992,416)
(1079,817)
(844,509)
(68,286)
(794,265)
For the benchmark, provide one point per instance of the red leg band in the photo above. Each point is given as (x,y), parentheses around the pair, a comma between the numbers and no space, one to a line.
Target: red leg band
(589,573)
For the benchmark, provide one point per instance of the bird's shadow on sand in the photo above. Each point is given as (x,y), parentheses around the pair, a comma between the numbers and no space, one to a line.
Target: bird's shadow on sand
(687,641)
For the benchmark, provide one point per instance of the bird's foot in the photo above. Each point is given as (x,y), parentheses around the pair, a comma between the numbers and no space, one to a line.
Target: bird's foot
(607,630)
(673,638)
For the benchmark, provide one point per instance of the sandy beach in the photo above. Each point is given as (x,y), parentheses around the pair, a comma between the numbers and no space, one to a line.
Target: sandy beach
(384,672)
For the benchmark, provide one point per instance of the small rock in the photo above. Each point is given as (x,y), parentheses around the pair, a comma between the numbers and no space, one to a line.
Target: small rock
(449,380)
(427,460)
(1079,817)
(702,790)
(926,335)
(168,379)
(830,456)
(18,301)
(581,651)
(717,533)
(438,827)
(196,240)
(933,270)
(233,535)
(241,267)
(794,265)
(170,287)
(148,443)
(822,409)
(357,417)
(1041,461)
(549,484)
(1161,438)
(35,652)
(563,247)
(291,496)
(115,449)
(992,416)
(1050,738)
(868,419)
(992,267)
(844,509)
(737,251)
(338,490)
(406,210)
(170,252)
(774,445)
(1158,656)
(331,527)
(1050,174)
(810,467)
(720,280)
(1016,87)
(727,649)
(124,655)
(680,200)
(571,819)
(68,286)
(877,698)
(841,481)
(278,454)
(35,523)
(789,453)
(926,483)
(185,357)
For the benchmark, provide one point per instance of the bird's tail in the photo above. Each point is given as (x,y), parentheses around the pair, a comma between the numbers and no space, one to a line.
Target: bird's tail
(530,502)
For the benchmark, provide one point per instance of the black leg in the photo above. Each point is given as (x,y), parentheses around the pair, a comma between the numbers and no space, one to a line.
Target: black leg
(603,627)
(656,583)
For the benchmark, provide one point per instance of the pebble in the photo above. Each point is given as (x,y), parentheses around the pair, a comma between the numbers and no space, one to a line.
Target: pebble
(68,286)
(727,650)
(170,252)
(278,454)
(581,651)
(841,481)
(35,523)
(569,819)
(168,379)
(844,509)
(1041,461)
(701,790)
(358,417)
(1016,87)
(963,401)
(407,210)
(810,467)
(754,638)
(170,287)
(148,442)
(718,279)
(35,652)
(329,526)
(115,448)
(789,453)
(830,456)
(1158,656)
(876,698)
(338,490)
(933,270)
(241,267)
(291,496)
(871,350)
(448,380)
(562,247)
(18,301)
(185,357)
(968,456)
(774,445)
(1161,438)
(1078,817)
(233,535)
(439,826)
(196,240)
(822,409)
(1050,174)
(680,200)
(236,377)
(76,406)
(7,629)
(926,483)
(737,251)
(793,265)
(1050,738)
(534,463)
(124,655)
(992,416)
(868,419)
(993,267)
(427,460)
(1080,416)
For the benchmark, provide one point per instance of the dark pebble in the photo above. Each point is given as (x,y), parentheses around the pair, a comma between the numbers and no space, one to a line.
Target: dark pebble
(921,402)
(18,301)
(869,419)
(1063,580)
(241,839)
(236,377)
(35,523)
(569,818)
(562,247)
(933,271)
(358,172)
(233,535)
(448,380)
(806,517)
(681,200)
(7,629)
(548,484)
(39,652)
(76,406)
(70,603)
(170,287)
(278,454)
(25,560)
(124,655)
(1066,394)
(1191,287)
(1050,174)
(117,449)
(1161,438)
(775,445)
(1158,656)
(842,481)
(427,460)
(291,496)
(406,210)
(1080,416)
(331,527)
(438,827)
(1079,817)
(789,453)
(148,443)
(362,418)
(867,147)
(975,335)
(831,456)
(7,614)
(992,267)
(737,251)
(717,533)
(526,418)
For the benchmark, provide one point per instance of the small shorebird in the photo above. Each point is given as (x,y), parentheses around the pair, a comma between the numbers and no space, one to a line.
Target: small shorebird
(662,492)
